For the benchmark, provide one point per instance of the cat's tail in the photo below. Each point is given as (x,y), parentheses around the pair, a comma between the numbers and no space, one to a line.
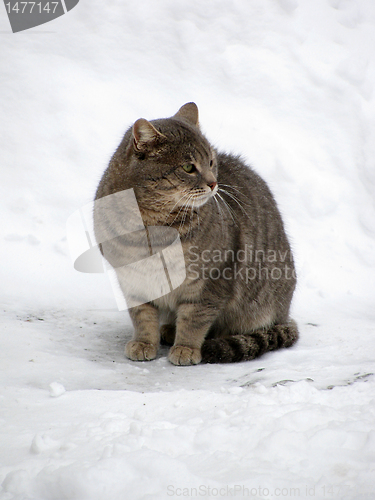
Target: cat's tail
(244,347)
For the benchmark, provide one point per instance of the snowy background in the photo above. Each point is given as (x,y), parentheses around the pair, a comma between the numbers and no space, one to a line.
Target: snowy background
(290,85)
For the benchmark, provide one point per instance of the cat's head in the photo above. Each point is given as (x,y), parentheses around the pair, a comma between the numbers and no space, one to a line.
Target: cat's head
(170,163)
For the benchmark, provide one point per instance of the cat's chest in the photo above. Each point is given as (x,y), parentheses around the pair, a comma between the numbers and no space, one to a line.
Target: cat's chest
(189,291)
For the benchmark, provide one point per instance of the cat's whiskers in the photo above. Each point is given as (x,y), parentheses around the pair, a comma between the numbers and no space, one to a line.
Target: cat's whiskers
(186,209)
(166,203)
(201,196)
(234,198)
(197,212)
(191,219)
(221,213)
(178,213)
(189,202)
(230,210)
(236,188)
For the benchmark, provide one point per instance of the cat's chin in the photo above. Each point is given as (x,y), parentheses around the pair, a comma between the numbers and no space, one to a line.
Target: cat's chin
(203,199)
(199,202)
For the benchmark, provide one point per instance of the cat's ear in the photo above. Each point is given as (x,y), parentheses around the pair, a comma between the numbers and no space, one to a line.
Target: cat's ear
(189,112)
(145,134)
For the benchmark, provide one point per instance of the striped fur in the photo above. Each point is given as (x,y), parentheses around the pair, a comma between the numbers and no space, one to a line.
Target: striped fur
(222,211)
(249,346)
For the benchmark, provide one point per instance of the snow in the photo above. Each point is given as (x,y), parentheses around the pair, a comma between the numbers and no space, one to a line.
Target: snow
(289,84)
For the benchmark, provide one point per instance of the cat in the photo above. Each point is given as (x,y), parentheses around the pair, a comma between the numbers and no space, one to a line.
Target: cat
(240,277)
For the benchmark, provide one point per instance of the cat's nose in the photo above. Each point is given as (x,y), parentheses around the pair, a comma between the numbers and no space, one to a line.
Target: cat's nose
(212,185)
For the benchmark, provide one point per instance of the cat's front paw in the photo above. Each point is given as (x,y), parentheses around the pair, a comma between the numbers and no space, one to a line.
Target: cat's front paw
(181,355)
(140,351)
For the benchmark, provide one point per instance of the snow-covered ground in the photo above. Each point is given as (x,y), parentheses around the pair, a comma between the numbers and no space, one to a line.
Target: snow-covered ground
(290,85)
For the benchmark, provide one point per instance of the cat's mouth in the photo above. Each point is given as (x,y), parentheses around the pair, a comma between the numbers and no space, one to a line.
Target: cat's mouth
(199,199)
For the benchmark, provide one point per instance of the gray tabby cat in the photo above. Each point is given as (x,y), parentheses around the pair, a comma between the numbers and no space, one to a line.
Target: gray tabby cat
(240,278)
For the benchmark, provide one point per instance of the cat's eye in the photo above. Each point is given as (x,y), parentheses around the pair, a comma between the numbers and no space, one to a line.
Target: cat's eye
(189,168)
(211,163)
